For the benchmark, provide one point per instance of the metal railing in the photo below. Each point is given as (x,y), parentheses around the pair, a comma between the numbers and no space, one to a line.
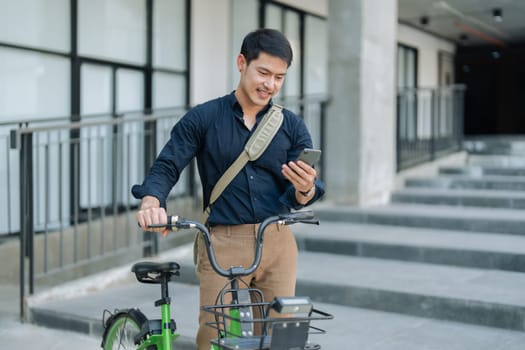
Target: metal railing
(429,123)
(73,180)
(69,189)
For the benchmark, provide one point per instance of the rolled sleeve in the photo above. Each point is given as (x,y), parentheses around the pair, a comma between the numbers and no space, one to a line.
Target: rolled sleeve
(140,191)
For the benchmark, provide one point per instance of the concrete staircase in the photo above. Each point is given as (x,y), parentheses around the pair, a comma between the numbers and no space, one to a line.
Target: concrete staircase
(448,247)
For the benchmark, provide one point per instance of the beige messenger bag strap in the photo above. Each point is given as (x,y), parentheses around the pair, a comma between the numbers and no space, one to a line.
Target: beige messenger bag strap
(253,149)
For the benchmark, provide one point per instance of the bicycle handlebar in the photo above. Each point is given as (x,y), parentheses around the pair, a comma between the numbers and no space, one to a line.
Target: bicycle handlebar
(176,223)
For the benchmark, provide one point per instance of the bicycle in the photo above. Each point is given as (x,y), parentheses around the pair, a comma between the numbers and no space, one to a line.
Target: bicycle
(234,321)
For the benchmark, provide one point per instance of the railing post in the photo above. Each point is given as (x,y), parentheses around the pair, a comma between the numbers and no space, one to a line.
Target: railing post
(150,247)
(322,135)
(26,217)
(398,131)
(459,98)
(434,120)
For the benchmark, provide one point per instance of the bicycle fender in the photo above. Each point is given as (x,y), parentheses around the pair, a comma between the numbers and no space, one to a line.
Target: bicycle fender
(137,315)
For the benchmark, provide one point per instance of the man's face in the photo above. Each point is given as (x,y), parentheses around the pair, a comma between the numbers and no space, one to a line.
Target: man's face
(261,79)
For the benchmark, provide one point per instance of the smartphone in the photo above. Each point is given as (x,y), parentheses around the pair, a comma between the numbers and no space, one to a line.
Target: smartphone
(310,155)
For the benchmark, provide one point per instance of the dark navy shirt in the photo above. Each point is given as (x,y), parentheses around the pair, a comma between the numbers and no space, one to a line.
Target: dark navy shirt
(214,133)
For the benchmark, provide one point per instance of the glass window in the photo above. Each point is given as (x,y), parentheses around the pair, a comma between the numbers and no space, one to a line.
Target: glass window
(408,122)
(169,90)
(33,85)
(40,24)
(245,21)
(96,89)
(169,33)
(292,85)
(273,18)
(406,66)
(113,30)
(315,56)
(130,90)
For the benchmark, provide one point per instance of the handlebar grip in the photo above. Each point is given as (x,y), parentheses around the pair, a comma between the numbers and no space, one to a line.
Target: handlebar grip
(172,223)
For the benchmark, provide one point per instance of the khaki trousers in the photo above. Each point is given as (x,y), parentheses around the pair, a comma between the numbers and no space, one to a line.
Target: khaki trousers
(235,246)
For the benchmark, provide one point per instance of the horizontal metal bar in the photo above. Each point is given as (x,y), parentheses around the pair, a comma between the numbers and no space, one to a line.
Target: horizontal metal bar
(17,133)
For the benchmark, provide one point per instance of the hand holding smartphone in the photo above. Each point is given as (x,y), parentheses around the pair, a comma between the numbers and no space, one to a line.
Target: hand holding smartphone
(310,156)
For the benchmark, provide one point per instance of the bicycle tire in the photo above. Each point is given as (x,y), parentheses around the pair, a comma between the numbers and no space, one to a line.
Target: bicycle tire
(121,330)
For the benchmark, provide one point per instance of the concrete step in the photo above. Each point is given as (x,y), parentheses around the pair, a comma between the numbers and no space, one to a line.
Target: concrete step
(493,182)
(496,160)
(489,220)
(499,145)
(477,296)
(458,248)
(478,171)
(460,197)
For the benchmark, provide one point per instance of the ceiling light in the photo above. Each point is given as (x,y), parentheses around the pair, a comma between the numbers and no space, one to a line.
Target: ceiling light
(497,14)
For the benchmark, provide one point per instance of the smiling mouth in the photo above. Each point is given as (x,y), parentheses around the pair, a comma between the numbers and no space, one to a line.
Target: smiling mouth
(264,93)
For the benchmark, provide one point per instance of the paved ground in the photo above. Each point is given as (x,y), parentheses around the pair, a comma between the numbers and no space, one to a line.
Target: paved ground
(23,336)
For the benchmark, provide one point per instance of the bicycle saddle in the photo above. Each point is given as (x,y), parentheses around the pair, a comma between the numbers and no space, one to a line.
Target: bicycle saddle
(153,272)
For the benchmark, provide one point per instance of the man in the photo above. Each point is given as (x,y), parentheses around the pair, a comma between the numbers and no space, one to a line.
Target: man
(215,133)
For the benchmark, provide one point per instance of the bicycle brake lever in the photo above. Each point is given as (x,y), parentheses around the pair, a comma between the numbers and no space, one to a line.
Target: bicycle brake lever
(310,222)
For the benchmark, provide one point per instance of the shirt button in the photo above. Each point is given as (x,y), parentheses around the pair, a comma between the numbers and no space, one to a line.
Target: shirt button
(251,177)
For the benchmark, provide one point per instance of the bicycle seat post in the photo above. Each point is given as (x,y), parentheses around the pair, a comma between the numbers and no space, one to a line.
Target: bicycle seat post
(164,292)
(164,303)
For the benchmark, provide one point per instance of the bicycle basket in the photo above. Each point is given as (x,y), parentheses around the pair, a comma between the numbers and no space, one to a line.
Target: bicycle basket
(283,332)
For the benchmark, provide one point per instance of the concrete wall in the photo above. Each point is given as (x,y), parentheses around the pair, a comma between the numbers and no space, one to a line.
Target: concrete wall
(361,115)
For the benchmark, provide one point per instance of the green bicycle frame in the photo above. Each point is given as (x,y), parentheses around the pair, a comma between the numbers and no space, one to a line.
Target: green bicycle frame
(234,328)
(164,340)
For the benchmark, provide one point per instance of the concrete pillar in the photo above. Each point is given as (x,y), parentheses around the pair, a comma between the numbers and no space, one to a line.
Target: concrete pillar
(360,144)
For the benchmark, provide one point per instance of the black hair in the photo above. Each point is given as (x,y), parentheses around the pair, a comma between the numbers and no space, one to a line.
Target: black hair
(269,41)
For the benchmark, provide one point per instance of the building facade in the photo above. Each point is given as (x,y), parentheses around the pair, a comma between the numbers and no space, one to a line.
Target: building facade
(96,61)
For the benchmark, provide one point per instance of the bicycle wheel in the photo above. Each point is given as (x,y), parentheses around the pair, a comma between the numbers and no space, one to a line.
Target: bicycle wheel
(121,330)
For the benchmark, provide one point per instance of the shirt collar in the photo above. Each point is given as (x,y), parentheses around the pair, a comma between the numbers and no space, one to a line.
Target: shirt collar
(237,107)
